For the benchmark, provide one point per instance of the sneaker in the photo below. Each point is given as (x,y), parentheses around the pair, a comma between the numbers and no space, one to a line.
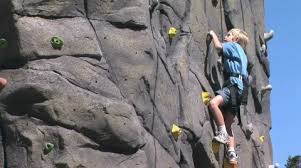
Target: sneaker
(232,157)
(222,137)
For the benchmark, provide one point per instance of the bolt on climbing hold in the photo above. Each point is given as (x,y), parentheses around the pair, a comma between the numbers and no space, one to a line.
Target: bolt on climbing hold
(48,147)
(172,32)
(268,36)
(176,131)
(206,97)
(3,43)
(262,138)
(57,42)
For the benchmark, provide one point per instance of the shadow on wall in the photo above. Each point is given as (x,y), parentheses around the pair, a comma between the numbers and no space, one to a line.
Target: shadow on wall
(199,156)
(10,57)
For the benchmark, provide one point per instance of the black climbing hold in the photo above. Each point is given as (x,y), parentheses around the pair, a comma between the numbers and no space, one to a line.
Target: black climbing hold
(3,43)
(57,42)
(214,2)
(208,39)
(48,147)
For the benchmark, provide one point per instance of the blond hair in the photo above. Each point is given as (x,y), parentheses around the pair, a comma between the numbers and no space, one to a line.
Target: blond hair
(241,35)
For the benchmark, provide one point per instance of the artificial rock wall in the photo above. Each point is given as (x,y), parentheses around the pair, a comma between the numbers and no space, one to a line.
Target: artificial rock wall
(109,96)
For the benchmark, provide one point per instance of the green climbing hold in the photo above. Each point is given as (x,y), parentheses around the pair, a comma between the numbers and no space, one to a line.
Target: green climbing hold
(48,148)
(57,42)
(3,43)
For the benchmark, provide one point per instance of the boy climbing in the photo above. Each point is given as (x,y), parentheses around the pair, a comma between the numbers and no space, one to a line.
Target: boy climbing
(229,97)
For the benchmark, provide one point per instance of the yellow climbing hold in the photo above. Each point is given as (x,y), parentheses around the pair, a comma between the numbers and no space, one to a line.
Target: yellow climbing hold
(261,138)
(172,32)
(176,131)
(206,97)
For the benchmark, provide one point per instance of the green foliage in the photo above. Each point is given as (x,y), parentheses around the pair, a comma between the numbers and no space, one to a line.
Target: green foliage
(293,162)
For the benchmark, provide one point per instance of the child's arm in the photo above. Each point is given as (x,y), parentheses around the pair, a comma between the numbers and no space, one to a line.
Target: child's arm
(217,44)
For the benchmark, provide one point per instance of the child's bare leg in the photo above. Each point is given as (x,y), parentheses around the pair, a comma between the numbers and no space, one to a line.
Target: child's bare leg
(222,135)
(214,106)
(229,119)
(3,82)
(231,154)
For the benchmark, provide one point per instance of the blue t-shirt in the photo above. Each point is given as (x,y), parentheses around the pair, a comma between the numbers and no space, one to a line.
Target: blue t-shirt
(235,61)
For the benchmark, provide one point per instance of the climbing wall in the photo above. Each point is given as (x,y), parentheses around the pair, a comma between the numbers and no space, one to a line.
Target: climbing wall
(118,83)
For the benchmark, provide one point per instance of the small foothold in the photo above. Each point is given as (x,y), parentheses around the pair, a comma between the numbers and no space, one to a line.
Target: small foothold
(172,32)
(268,36)
(206,97)
(214,2)
(215,146)
(249,129)
(220,61)
(57,42)
(263,48)
(176,131)
(48,147)
(3,43)
(262,138)
(208,39)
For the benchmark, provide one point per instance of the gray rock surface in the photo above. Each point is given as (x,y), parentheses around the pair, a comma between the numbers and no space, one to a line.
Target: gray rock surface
(109,96)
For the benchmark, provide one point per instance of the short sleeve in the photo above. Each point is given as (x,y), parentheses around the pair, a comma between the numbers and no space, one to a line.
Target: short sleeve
(227,49)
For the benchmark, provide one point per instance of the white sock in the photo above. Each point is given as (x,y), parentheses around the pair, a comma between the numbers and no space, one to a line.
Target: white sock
(222,128)
(231,149)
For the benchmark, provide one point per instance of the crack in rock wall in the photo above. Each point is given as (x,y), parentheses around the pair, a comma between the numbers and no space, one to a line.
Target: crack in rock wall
(110,95)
